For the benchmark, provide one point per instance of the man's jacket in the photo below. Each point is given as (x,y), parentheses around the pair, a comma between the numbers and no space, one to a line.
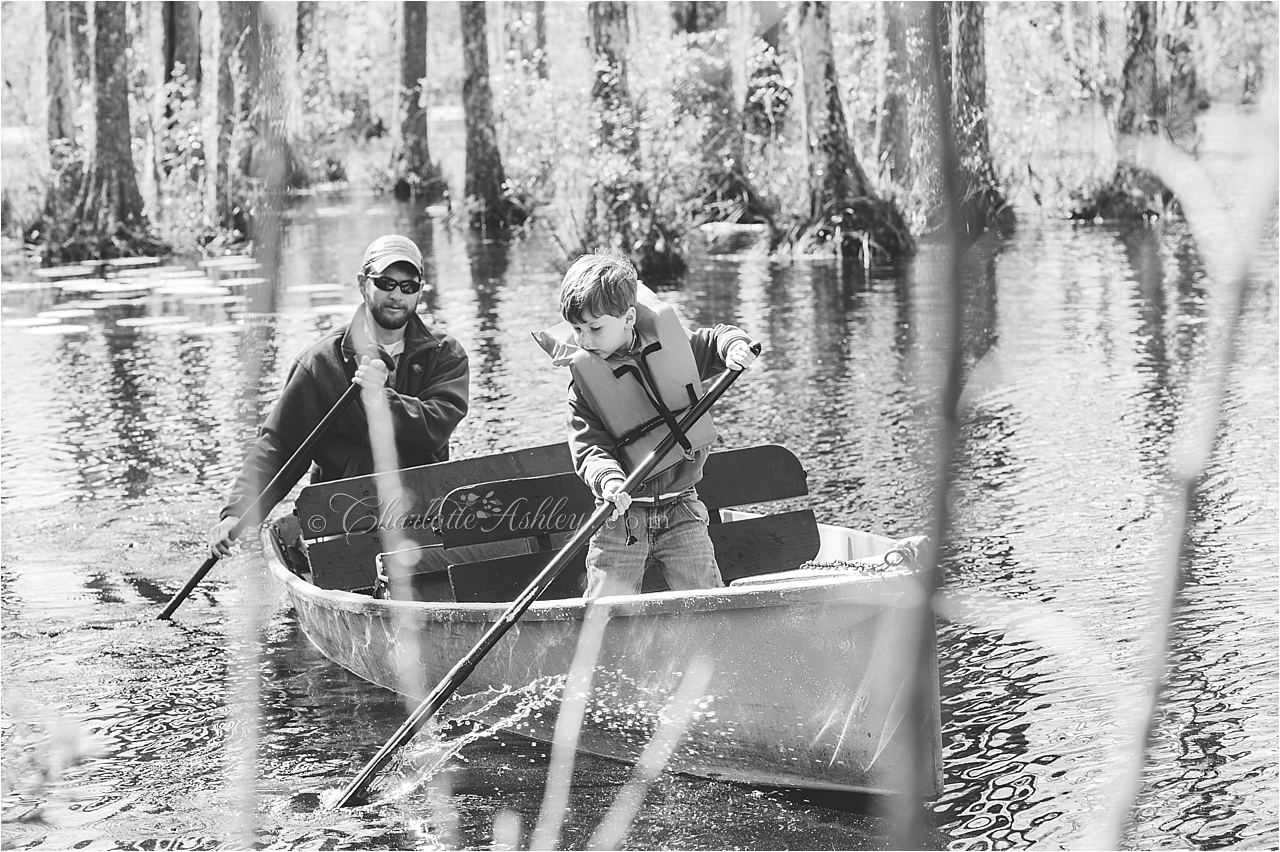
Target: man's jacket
(427,392)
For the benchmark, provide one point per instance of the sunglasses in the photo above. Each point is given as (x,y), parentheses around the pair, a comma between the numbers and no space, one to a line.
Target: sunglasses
(386,285)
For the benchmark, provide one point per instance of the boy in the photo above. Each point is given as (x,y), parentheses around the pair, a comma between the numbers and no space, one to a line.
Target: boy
(634,370)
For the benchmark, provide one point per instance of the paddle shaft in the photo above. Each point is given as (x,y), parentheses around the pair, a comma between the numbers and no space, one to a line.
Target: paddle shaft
(251,515)
(464,667)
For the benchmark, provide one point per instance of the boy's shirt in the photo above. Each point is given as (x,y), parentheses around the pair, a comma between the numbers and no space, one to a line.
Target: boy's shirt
(593,448)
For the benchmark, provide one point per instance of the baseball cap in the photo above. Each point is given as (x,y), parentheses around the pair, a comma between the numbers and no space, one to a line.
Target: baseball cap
(390,249)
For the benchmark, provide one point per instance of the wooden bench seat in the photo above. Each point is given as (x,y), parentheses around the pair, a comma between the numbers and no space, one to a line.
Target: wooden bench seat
(544,511)
(346,524)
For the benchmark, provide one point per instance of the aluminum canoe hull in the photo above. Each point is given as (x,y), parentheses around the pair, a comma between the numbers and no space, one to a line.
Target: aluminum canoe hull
(807,687)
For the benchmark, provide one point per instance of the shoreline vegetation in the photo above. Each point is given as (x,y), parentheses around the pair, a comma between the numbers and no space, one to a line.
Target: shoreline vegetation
(792,129)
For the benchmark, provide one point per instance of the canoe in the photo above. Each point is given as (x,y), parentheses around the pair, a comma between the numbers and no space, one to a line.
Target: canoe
(807,682)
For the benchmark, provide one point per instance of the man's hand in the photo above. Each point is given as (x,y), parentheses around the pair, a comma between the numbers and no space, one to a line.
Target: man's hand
(371,376)
(613,493)
(220,536)
(739,356)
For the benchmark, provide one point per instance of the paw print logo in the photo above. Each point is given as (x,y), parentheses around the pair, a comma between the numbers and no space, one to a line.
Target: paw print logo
(484,507)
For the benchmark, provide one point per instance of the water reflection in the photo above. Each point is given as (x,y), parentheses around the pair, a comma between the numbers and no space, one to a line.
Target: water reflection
(487,260)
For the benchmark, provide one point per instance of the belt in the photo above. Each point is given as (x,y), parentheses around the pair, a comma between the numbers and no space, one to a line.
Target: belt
(661,499)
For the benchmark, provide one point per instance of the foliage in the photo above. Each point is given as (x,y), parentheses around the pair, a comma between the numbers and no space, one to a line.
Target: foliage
(181,217)
(68,164)
(768,93)
(1054,83)
(22,61)
(471,212)
(775,153)
(853,39)
(1235,44)
(676,121)
(1128,193)
(842,227)
(26,181)
(331,120)
(350,73)
(551,139)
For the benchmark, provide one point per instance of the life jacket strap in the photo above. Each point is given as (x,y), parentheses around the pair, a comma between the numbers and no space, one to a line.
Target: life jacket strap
(665,416)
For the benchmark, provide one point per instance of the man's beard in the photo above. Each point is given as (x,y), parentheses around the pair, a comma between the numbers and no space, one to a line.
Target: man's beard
(390,320)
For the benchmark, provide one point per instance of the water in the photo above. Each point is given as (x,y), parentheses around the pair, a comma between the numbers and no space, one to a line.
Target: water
(120,440)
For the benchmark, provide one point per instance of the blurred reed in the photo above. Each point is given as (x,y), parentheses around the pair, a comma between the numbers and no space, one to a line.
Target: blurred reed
(1228,241)
(676,717)
(573,706)
(266,231)
(911,826)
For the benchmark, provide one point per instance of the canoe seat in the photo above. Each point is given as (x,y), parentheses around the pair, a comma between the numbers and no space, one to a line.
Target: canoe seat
(544,511)
(347,523)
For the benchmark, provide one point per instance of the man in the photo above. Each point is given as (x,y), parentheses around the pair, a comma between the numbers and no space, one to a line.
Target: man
(399,363)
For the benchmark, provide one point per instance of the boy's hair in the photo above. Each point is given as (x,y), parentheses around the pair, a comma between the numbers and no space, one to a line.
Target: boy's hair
(598,284)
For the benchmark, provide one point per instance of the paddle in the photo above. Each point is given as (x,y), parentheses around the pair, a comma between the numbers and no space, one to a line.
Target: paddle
(463,668)
(251,515)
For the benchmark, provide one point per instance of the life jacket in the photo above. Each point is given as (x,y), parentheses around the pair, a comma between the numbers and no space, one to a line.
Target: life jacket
(640,401)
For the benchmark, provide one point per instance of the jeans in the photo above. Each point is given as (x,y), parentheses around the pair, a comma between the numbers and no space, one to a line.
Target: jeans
(672,534)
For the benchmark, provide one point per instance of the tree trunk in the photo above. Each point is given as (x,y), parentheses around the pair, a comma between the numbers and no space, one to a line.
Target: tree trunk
(526,33)
(108,220)
(147,46)
(82,65)
(182,40)
(1185,98)
(306,25)
(834,172)
(61,114)
(486,197)
(984,203)
(620,212)
(1084,41)
(272,41)
(232,21)
(895,121)
(738,19)
(81,44)
(1134,192)
(698,16)
(1141,100)
(843,208)
(909,150)
(415,174)
(283,78)
(253,113)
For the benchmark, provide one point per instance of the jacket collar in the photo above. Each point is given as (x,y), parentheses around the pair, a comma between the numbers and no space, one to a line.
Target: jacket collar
(356,337)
